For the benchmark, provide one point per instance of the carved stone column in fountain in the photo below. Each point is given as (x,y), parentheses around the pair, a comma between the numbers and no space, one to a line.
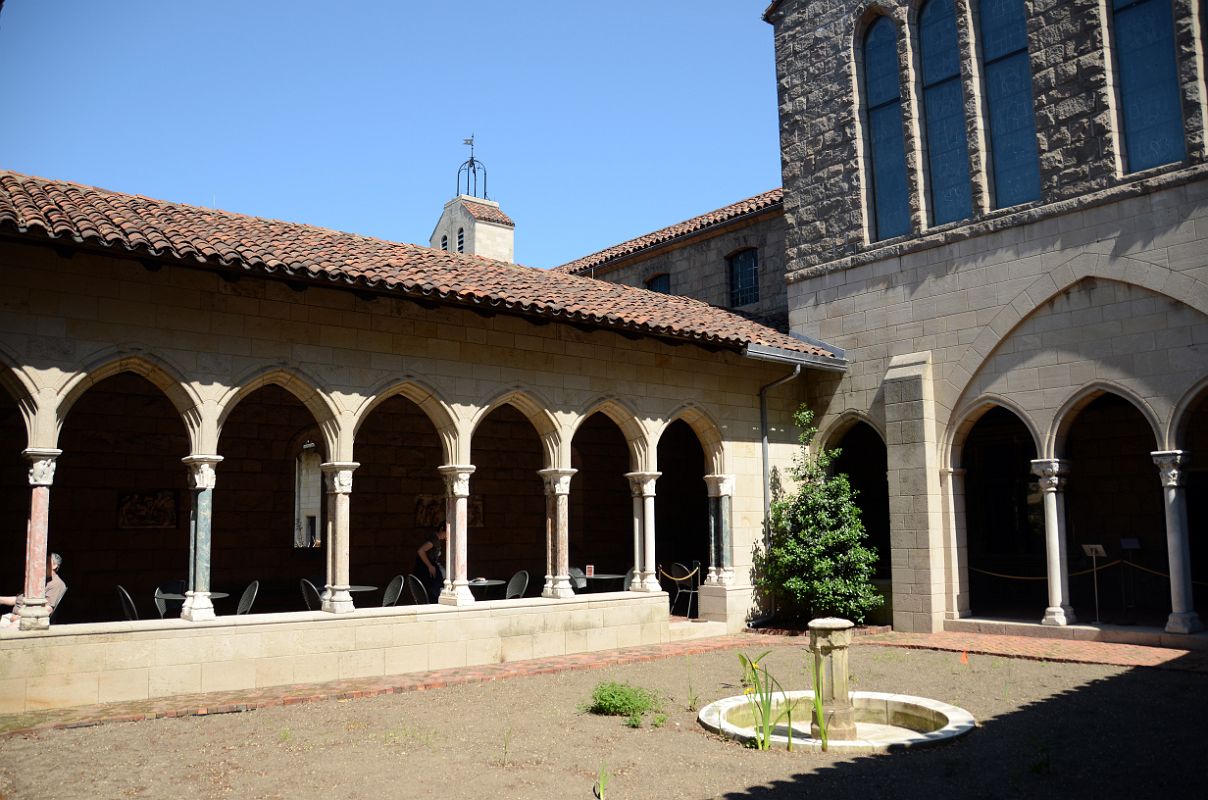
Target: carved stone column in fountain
(829,640)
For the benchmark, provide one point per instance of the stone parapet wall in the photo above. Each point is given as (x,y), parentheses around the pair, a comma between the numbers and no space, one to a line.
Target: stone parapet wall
(75,665)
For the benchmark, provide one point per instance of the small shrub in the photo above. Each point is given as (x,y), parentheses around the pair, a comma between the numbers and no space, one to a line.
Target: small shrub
(634,720)
(658,721)
(621,700)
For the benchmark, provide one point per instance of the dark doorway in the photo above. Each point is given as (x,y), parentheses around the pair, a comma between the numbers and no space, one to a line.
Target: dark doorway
(119,507)
(681,502)
(1114,498)
(601,505)
(865,461)
(1004,519)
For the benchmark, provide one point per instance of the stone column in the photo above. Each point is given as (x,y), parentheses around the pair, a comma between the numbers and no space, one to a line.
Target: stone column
(557,525)
(956,550)
(721,492)
(829,640)
(34,614)
(338,478)
(1052,473)
(635,488)
(202,478)
(1183,618)
(650,578)
(457,585)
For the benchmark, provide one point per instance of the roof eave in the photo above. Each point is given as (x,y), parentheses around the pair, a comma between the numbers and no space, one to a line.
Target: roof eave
(779,355)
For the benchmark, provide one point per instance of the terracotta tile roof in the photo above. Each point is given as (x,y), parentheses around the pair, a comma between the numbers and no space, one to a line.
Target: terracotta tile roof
(40,208)
(722,215)
(487,213)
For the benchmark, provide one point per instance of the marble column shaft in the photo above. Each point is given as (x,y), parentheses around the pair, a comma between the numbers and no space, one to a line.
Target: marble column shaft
(1052,474)
(721,490)
(1183,617)
(34,614)
(557,493)
(202,478)
(337,476)
(457,584)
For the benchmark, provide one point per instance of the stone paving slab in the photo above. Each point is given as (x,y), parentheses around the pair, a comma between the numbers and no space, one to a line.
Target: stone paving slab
(1068,650)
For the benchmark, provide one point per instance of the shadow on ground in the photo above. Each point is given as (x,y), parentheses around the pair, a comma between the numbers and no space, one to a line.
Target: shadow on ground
(1142,734)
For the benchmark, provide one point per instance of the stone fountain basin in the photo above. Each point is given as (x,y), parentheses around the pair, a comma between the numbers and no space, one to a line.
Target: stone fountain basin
(884,721)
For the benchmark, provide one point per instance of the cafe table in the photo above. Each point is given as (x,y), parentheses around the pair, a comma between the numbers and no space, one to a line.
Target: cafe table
(599,582)
(482,588)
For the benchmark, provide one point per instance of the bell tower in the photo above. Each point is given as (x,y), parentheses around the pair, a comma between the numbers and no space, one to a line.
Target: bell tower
(473,223)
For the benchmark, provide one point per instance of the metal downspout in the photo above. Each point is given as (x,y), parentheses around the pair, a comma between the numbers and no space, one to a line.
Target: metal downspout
(767,490)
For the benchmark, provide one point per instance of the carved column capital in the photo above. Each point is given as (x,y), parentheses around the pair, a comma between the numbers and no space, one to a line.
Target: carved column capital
(1170,466)
(1052,473)
(338,475)
(557,481)
(41,465)
(201,471)
(720,485)
(457,478)
(641,484)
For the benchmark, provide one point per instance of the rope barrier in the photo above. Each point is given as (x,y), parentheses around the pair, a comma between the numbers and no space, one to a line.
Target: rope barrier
(1082,572)
(681,577)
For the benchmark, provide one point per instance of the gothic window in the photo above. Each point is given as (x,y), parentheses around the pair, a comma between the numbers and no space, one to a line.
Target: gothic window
(744,277)
(886,138)
(308,496)
(1148,83)
(948,183)
(659,283)
(461,240)
(1007,75)
(444,241)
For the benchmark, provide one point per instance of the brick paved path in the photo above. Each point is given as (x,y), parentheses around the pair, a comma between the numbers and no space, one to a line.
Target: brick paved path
(246,700)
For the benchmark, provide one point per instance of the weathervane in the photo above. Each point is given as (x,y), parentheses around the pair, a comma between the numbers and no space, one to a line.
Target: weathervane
(470,169)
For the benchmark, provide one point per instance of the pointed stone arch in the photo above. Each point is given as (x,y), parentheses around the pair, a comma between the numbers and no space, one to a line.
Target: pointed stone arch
(1161,280)
(1176,428)
(17,385)
(1067,413)
(439,412)
(627,420)
(158,371)
(296,383)
(839,424)
(968,415)
(535,409)
(707,431)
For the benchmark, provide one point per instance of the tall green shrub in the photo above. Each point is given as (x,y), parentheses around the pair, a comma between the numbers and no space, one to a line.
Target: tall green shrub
(816,563)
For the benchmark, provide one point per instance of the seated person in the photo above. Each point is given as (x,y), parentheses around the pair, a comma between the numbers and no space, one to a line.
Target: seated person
(429,562)
(55,589)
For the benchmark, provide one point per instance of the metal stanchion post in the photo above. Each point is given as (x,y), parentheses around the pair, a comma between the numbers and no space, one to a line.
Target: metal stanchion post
(1094,551)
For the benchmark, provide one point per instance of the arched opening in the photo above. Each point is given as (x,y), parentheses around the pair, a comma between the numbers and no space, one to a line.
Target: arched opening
(865,461)
(506,525)
(1004,518)
(1195,442)
(269,503)
(681,503)
(14,496)
(601,506)
(398,496)
(1114,498)
(119,507)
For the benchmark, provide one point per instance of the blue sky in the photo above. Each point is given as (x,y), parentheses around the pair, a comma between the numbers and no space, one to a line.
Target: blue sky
(597,122)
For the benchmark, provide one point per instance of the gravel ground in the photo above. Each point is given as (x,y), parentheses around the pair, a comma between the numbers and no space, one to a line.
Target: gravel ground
(1045,730)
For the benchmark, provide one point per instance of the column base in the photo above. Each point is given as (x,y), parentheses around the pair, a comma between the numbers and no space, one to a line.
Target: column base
(1179,622)
(650,583)
(34,617)
(456,594)
(560,588)
(1070,618)
(711,577)
(198,607)
(635,585)
(338,600)
(1054,615)
(725,577)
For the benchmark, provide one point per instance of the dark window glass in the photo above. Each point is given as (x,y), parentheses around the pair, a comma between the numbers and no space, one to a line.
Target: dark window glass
(461,240)
(886,140)
(444,242)
(744,278)
(1007,73)
(944,114)
(1149,85)
(660,284)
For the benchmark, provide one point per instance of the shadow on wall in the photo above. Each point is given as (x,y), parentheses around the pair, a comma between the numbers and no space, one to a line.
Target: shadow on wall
(1139,734)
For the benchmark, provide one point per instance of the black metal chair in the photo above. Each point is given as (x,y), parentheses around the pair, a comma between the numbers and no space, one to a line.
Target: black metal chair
(419,595)
(628,580)
(517,585)
(311,596)
(249,597)
(686,582)
(393,590)
(127,604)
(165,605)
(578,580)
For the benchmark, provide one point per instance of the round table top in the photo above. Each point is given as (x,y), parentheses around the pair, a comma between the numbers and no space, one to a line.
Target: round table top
(362,588)
(605,576)
(174,596)
(487,582)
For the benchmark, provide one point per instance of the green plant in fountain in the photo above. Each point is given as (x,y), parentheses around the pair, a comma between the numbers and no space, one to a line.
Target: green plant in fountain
(816,563)
(610,698)
(761,690)
(819,711)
